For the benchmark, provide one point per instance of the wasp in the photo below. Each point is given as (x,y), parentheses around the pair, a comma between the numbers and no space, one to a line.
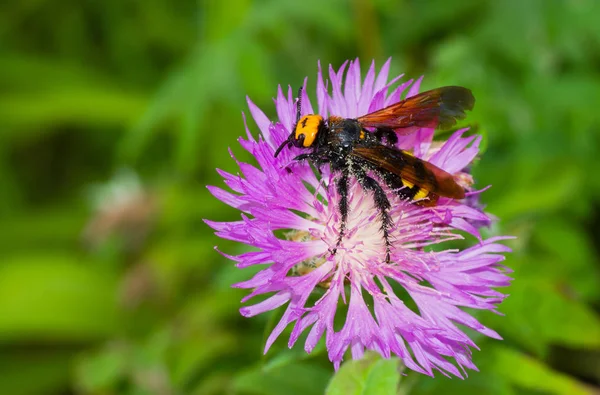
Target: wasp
(364,148)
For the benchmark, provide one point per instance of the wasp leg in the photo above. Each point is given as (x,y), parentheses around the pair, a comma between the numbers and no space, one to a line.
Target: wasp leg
(390,136)
(342,189)
(383,205)
(315,157)
(310,156)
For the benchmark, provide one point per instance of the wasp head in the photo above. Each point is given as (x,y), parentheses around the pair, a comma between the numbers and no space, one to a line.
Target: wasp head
(305,132)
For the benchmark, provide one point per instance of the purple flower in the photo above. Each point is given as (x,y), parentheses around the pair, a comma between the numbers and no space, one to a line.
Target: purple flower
(290,218)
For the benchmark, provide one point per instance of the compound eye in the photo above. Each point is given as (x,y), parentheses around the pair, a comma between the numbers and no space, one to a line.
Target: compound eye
(307,128)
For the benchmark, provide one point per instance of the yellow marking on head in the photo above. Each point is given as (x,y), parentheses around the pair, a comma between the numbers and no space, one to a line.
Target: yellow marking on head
(362,135)
(308,126)
(408,153)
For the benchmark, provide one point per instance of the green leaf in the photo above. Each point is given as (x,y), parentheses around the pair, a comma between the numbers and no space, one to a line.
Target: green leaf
(85,105)
(102,370)
(485,382)
(199,351)
(34,372)
(538,314)
(571,257)
(524,371)
(538,195)
(57,227)
(292,379)
(50,72)
(53,296)
(293,355)
(371,375)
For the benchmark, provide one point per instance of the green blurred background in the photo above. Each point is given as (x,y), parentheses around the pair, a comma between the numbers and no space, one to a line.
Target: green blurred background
(115,114)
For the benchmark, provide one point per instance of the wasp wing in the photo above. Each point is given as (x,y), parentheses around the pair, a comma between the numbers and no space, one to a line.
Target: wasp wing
(418,172)
(437,108)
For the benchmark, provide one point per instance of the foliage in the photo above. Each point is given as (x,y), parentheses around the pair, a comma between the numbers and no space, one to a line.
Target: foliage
(108,278)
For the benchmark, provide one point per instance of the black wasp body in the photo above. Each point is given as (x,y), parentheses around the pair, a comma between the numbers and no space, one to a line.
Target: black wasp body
(371,156)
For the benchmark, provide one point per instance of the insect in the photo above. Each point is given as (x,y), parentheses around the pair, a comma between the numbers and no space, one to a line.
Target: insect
(365,148)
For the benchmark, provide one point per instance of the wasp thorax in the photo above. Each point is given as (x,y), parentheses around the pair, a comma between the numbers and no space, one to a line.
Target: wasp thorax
(307,129)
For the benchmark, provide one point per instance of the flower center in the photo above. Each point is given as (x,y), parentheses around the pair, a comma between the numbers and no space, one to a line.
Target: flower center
(308,265)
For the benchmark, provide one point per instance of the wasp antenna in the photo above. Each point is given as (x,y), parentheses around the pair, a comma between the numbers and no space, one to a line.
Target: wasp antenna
(287,142)
(299,104)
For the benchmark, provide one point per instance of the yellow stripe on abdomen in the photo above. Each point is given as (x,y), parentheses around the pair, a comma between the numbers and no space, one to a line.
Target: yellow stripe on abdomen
(420,194)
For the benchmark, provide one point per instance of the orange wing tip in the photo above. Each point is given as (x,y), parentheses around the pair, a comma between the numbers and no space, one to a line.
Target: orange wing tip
(459,194)
(449,188)
(465,180)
